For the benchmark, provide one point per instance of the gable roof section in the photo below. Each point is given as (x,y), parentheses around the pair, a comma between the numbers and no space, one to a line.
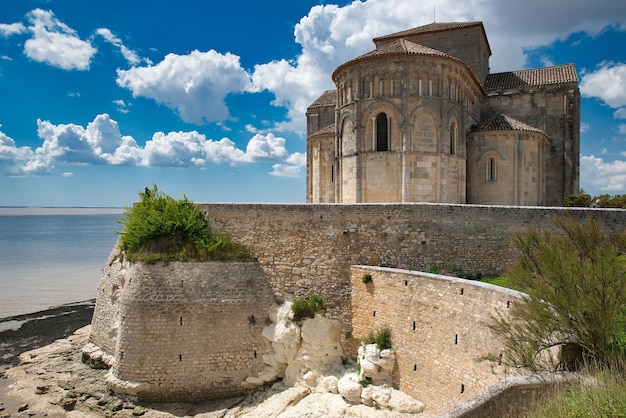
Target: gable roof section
(328,130)
(502,122)
(434,28)
(402,47)
(536,77)
(328,98)
(430,28)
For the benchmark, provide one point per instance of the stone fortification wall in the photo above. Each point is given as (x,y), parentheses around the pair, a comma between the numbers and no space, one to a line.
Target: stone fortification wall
(183,331)
(191,330)
(106,319)
(437,329)
(305,248)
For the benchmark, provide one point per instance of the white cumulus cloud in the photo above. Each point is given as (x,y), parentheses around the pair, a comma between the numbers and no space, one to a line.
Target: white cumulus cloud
(102,143)
(293,166)
(604,176)
(195,85)
(607,83)
(8,29)
(55,43)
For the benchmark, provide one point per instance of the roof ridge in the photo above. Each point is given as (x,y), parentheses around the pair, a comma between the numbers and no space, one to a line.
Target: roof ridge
(429,28)
(504,122)
(532,77)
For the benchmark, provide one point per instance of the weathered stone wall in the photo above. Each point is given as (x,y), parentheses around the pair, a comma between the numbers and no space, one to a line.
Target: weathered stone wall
(106,317)
(555,110)
(187,330)
(519,176)
(437,329)
(306,248)
(184,330)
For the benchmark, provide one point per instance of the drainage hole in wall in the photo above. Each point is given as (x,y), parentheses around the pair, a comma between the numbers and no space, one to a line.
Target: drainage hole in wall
(180,357)
(414,325)
(456,339)
(415,367)
(461,291)
(406,282)
(462,388)
(374,313)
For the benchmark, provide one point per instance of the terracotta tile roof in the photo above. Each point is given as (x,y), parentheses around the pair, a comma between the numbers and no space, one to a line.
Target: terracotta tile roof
(502,122)
(328,98)
(430,28)
(402,47)
(328,130)
(395,48)
(536,77)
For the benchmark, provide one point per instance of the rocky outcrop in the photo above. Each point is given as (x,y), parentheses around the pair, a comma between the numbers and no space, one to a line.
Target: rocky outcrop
(376,364)
(308,358)
(298,352)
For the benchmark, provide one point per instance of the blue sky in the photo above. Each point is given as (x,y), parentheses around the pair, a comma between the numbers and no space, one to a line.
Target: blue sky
(208,99)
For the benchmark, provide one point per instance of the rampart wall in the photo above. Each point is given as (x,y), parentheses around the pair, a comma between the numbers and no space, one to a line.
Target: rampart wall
(445,353)
(183,331)
(306,248)
(193,330)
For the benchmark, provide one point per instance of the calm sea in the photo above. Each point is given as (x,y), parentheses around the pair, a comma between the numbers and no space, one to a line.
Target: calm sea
(52,256)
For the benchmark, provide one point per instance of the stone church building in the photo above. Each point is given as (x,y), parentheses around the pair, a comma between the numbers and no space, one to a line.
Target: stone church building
(421,119)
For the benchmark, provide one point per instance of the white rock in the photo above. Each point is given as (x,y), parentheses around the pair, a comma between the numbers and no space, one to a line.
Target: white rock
(350,388)
(317,405)
(330,384)
(367,395)
(404,403)
(362,411)
(381,394)
(376,364)
(124,386)
(279,402)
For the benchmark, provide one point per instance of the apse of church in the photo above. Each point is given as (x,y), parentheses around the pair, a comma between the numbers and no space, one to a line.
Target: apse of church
(420,119)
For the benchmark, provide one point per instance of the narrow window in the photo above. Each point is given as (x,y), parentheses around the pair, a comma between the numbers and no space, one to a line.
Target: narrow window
(491,170)
(453,138)
(332,173)
(381,133)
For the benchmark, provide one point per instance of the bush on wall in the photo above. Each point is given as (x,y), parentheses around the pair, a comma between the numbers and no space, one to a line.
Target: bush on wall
(161,228)
(307,308)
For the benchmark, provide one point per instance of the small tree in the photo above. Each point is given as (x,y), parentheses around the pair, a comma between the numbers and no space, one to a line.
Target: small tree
(576,287)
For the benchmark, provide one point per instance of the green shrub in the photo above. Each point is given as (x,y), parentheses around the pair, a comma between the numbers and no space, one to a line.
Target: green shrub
(382,338)
(160,228)
(367,278)
(576,297)
(307,308)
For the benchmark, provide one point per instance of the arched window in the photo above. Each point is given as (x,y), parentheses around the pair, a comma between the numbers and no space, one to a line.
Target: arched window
(382,143)
(491,170)
(453,135)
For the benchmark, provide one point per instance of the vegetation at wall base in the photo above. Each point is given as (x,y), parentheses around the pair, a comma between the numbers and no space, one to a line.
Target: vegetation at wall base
(576,287)
(382,338)
(161,228)
(367,278)
(307,308)
(603,395)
